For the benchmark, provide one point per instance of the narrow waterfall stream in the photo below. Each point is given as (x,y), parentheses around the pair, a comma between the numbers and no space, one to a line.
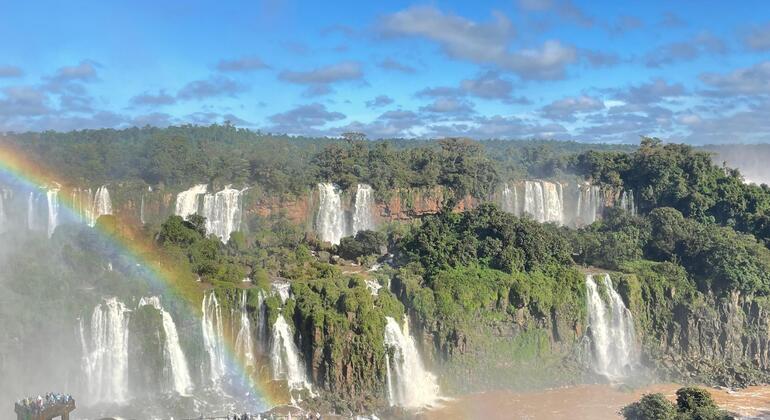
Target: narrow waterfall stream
(363,214)
(213,334)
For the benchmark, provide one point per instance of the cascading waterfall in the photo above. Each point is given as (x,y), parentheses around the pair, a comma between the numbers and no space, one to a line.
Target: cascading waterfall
(173,354)
(612,330)
(102,205)
(543,200)
(52,196)
(222,209)
(627,202)
(590,204)
(510,200)
(363,216)
(82,203)
(213,336)
(244,341)
(187,202)
(222,212)
(409,383)
(106,358)
(330,221)
(286,360)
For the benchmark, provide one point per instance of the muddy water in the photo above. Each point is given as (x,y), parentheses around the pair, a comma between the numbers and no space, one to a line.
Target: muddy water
(584,402)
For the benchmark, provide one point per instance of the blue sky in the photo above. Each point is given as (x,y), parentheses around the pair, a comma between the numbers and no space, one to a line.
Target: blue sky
(697,72)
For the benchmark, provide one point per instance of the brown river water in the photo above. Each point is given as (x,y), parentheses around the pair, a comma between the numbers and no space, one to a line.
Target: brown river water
(585,402)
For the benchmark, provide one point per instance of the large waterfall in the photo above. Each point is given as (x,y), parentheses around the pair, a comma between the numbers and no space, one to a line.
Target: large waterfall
(222,212)
(409,383)
(106,354)
(543,200)
(612,330)
(330,221)
(213,338)
(589,205)
(222,209)
(244,341)
(53,209)
(188,202)
(363,215)
(285,357)
(173,354)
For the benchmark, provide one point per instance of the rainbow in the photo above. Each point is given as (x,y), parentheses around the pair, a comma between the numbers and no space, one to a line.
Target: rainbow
(160,270)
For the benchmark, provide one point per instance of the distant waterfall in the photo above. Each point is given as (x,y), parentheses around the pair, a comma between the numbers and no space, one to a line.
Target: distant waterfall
(363,216)
(627,201)
(5,198)
(141,211)
(612,330)
(409,383)
(282,289)
(173,354)
(285,357)
(82,204)
(52,196)
(102,205)
(590,204)
(32,222)
(222,209)
(543,200)
(187,202)
(244,341)
(330,221)
(106,356)
(222,212)
(510,200)
(213,336)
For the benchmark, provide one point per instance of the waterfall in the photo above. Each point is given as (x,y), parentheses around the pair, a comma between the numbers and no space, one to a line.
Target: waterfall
(187,202)
(244,341)
(82,203)
(222,212)
(213,335)
(5,197)
(53,209)
(363,216)
(282,289)
(102,205)
(553,207)
(141,211)
(106,358)
(627,201)
(413,385)
(173,354)
(590,204)
(612,330)
(31,211)
(222,209)
(330,221)
(286,361)
(543,200)
(510,200)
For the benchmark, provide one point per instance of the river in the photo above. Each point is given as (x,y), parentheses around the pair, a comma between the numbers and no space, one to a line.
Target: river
(585,402)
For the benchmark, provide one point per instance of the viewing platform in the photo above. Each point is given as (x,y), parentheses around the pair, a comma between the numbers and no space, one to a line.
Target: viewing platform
(46,407)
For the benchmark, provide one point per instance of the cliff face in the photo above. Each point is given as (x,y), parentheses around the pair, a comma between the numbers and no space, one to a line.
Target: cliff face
(724,341)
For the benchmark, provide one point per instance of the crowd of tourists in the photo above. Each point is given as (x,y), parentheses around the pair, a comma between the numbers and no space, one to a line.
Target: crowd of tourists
(42,402)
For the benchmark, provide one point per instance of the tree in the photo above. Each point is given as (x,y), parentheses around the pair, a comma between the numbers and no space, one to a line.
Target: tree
(650,407)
